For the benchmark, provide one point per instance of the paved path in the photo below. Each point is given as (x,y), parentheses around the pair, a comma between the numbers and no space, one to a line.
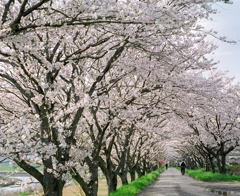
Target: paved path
(172,183)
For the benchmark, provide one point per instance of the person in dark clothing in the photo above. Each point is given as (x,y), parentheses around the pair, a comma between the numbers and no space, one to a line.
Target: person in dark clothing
(183,166)
(166,166)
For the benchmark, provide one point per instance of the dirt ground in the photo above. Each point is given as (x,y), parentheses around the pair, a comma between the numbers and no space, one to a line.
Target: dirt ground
(75,190)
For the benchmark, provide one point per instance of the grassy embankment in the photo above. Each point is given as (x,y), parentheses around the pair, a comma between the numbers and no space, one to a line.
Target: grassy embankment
(5,167)
(136,186)
(233,174)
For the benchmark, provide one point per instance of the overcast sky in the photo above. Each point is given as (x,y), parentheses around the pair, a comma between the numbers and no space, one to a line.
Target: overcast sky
(227,23)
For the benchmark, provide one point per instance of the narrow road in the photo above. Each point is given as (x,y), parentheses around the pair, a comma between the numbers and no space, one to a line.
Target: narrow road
(172,183)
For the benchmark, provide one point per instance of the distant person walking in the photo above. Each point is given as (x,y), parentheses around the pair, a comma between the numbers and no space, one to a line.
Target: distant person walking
(183,166)
(166,166)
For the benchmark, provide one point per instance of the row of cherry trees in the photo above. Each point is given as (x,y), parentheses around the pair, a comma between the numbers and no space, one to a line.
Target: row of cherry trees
(91,84)
(211,128)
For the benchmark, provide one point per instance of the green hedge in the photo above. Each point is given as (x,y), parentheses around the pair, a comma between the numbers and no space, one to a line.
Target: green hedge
(136,186)
(200,174)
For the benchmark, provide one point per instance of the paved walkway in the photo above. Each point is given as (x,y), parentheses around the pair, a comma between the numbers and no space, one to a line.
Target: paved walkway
(172,183)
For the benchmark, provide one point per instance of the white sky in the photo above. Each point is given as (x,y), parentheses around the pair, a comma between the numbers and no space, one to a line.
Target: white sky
(227,23)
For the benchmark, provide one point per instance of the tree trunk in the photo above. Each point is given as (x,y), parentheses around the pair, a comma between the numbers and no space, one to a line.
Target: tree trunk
(138,170)
(219,164)
(123,173)
(224,164)
(211,163)
(155,167)
(139,173)
(53,186)
(123,177)
(111,170)
(207,164)
(90,188)
(133,174)
(144,167)
(124,170)
(93,184)
(112,183)
(201,163)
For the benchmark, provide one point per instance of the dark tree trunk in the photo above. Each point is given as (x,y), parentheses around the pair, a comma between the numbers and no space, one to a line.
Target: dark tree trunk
(148,168)
(201,163)
(207,164)
(224,164)
(138,170)
(53,186)
(111,170)
(211,163)
(123,174)
(155,167)
(93,184)
(139,173)
(219,163)
(90,188)
(112,183)
(144,167)
(132,174)
(123,177)
(132,171)
(223,159)
(124,170)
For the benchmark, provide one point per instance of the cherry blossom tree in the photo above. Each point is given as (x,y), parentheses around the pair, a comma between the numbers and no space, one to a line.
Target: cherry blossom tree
(215,123)
(115,155)
(60,61)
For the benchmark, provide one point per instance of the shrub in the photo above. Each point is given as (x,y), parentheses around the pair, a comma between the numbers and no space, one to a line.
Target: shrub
(201,174)
(136,186)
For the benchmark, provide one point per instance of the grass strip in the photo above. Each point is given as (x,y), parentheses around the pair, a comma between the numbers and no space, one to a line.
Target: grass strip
(25,194)
(201,174)
(137,185)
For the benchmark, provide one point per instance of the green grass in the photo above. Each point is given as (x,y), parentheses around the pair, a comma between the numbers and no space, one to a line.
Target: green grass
(5,167)
(136,186)
(201,174)
(25,194)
